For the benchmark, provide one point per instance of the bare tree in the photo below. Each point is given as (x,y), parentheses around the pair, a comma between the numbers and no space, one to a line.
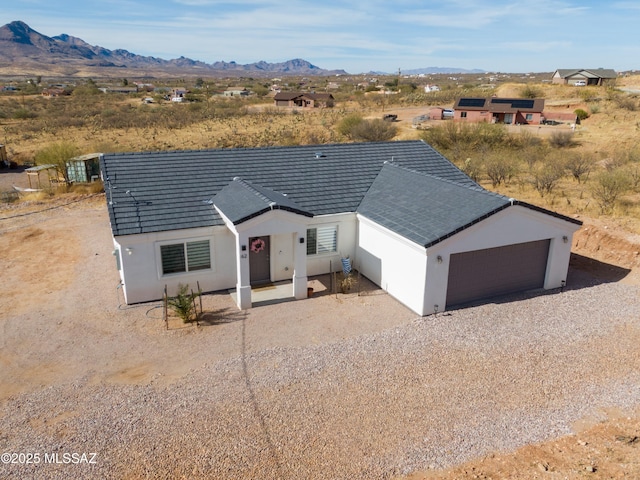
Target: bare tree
(546,177)
(609,186)
(500,168)
(580,165)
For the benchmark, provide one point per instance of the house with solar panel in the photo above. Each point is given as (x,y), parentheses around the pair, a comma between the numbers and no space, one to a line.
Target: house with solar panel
(407,218)
(509,111)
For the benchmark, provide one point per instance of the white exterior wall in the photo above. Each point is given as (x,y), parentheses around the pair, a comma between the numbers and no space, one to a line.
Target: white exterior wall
(393,262)
(513,225)
(402,268)
(347,235)
(141,269)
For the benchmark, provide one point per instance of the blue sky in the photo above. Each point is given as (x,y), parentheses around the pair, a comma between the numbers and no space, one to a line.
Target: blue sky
(357,36)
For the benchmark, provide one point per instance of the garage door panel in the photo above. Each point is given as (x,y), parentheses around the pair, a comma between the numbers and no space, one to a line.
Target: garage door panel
(496,271)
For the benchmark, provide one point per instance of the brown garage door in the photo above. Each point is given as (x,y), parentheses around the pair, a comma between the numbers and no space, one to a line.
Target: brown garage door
(496,271)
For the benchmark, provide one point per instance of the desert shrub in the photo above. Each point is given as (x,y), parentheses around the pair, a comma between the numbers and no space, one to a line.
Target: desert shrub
(467,136)
(595,108)
(472,168)
(546,177)
(525,140)
(532,154)
(500,168)
(376,130)
(581,114)
(561,139)
(580,165)
(588,94)
(347,124)
(633,173)
(531,91)
(627,103)
(609,186)
(23,114)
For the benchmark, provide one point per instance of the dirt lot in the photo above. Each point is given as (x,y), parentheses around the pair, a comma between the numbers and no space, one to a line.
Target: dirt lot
(63,322)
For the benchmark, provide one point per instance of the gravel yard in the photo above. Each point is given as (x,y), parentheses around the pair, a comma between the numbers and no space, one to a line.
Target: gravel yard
(351,388)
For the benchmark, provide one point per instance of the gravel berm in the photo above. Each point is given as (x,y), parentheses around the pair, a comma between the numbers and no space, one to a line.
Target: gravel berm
(409,394)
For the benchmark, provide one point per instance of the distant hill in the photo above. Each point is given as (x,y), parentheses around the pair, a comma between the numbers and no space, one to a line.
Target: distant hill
(435,70)
(23,51)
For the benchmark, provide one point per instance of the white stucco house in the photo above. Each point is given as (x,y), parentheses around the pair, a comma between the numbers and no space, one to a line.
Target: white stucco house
(410,220)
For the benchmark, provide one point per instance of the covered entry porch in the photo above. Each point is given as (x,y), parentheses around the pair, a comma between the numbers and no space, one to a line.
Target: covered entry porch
(270,238)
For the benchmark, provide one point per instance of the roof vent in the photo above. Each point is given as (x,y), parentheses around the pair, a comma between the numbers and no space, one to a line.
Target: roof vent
(320,155)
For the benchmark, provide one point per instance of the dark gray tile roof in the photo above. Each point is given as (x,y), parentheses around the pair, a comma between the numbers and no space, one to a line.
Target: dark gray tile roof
(426,209)
(161,191)
(240,201)
(591,72)
(174,190)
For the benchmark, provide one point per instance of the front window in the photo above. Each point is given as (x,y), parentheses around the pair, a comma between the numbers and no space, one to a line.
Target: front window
(463,114)
(185,257)
(529,117)
(322,240)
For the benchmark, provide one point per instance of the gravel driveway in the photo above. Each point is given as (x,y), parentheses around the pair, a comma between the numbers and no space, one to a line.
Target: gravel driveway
(356,387)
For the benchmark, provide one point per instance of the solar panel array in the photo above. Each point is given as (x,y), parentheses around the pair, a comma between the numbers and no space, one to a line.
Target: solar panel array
(517,103)
(472,102)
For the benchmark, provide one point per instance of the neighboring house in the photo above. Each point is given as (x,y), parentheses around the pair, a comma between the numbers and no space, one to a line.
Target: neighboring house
(119,89)
(408,219)
(522,111)
(178,95)
(304,100)
(431,88)
(236,92)
(597,76)
(55,92)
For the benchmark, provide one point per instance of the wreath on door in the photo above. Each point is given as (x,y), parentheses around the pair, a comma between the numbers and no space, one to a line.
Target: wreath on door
(257,245)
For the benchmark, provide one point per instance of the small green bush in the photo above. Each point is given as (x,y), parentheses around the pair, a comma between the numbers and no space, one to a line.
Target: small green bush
(581,114)
(347,124)
(182,304)
(529,91)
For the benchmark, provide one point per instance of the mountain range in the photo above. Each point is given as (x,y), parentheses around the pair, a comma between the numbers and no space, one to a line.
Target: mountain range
(24,51)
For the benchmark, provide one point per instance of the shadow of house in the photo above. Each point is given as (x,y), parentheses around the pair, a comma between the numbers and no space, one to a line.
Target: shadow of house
(586,271)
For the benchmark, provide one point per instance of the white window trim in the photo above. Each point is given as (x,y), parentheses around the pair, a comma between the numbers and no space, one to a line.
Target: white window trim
(183,241)
(324,254)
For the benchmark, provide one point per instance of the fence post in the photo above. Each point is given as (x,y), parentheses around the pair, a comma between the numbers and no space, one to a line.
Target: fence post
(165,308)
(330,276)
(195,307)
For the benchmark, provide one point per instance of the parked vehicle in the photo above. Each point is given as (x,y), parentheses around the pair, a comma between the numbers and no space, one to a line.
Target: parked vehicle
(580,83)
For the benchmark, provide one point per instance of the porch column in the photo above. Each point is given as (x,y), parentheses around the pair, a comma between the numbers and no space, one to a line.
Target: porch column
(243,287)
(300,266)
